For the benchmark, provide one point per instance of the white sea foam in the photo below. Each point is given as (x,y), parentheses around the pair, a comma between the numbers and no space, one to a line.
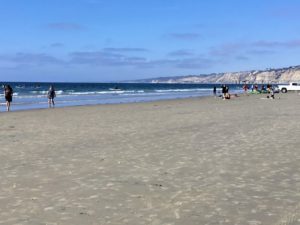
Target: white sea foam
(59,92)
(102,92)
(15,94)
(183,90)
(39,92)
(83,93)
(30,96)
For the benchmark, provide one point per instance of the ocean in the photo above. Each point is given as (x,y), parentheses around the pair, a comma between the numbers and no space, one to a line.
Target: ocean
(34,95)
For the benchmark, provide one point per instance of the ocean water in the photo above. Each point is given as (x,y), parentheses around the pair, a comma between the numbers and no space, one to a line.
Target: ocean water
(34,95)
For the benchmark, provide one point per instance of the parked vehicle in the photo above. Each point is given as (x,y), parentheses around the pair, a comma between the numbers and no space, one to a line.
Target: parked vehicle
(284,88)
(276,89)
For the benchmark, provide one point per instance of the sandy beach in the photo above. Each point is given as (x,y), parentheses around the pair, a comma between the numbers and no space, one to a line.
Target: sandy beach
(177,162)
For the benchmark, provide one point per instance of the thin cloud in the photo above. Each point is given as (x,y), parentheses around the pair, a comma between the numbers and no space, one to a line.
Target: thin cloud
(31,59)
(184,36)
(268,44)
(261,47)
(181,53)
(287,12)
(94,58)
(101,58)
(57,45)
(195,63)
(65,26)
(136,59)
(293,43)
(277,44)
(261,52)
(36,59)
(242,58)
(227,49)
(125,50)
(94,1)
(159,63)
(191,63)
(200,25)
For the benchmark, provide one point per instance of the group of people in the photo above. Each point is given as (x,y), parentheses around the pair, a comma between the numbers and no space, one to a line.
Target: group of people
(254,88)
(225,91)
(268,89)
(8,94)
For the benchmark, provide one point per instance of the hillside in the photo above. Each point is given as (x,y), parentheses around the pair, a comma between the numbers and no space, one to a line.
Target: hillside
(281,75)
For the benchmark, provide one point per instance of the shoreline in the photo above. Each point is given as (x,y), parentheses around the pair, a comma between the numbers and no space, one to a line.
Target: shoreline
(31,97)
(100,104)
(184,161)
(240,94)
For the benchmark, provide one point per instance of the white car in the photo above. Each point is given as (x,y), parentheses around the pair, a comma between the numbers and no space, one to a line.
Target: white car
(284,88)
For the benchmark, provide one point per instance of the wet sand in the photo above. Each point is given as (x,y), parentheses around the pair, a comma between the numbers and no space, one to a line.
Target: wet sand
(178,162)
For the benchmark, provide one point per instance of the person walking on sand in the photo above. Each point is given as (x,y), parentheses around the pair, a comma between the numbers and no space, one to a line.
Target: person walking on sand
(51,96)
(8,93)
(272,93)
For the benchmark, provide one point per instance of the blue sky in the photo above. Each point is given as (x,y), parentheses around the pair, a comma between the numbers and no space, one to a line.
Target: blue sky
(115,40)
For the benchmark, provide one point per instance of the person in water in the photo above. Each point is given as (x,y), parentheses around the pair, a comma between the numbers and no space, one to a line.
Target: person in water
(51,96)
(8,93)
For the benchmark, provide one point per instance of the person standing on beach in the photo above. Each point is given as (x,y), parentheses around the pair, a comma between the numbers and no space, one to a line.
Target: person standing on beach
(215,91)
(227,95)
(245,87)
(272,93)
(8,93)
(223,91)
(51,96)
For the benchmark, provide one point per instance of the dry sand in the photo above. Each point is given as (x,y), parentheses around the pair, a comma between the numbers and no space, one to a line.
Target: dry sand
(179,162)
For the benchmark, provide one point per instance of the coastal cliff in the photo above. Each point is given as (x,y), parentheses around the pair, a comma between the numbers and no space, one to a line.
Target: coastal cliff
(281,75)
